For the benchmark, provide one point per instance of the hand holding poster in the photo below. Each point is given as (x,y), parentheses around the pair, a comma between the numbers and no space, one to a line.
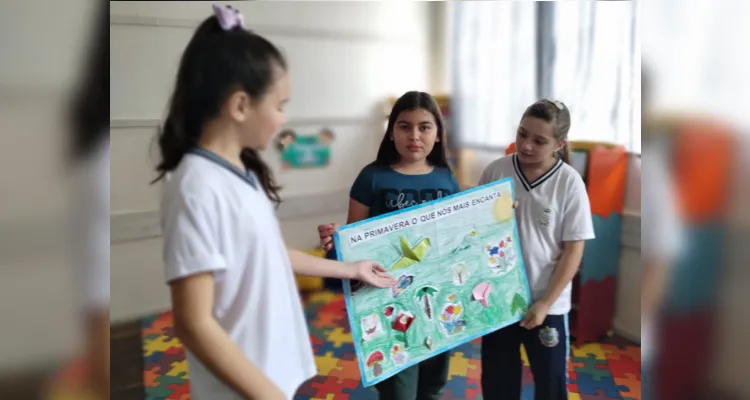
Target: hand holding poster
(459,272)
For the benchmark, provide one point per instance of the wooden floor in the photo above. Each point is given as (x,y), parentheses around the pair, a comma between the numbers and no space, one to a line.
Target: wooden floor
(126,374)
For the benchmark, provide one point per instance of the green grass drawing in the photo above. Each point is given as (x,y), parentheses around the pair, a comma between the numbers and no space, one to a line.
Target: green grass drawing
(518,304)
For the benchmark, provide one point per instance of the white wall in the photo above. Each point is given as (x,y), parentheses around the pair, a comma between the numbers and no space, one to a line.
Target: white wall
(345,59)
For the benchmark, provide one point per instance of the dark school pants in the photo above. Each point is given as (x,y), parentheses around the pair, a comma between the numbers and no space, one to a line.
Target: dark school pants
(547,347)
(424,381)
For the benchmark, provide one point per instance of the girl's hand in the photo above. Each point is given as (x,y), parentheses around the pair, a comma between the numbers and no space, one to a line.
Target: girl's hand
(515,204)
(373,274)
(326,235)
(535,315)
(274,393)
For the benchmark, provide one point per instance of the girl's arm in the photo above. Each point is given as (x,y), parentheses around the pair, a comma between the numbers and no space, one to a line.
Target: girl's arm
(366,271)
(309,265)
(653,286)
(192,302)
(565,271)
(357,212)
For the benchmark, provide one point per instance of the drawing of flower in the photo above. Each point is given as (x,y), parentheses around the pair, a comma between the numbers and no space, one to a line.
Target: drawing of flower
(450,318)
(398,354)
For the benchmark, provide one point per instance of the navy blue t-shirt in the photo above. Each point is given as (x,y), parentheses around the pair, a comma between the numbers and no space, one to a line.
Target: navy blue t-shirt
(385,190)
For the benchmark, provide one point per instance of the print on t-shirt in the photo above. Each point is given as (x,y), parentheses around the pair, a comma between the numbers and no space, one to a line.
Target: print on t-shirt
(398,199)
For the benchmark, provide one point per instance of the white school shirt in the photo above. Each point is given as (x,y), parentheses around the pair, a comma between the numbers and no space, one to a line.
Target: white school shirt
(92,227)
(215,220)
(551,210)
(661,226)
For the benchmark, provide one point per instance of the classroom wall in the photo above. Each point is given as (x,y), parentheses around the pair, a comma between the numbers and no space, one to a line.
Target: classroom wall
(345,59)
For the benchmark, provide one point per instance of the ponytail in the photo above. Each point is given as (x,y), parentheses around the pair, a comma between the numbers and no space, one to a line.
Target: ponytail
(178,135)
(254,163)
(564,153)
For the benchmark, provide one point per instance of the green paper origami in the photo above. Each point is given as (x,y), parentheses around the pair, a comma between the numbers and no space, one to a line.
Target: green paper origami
(411,255)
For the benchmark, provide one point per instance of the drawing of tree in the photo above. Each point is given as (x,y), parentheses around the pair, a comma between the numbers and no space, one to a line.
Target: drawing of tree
(518,304)
(424,294)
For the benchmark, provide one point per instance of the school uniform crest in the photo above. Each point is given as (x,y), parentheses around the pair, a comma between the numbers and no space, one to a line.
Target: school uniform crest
(544,216)
(549,336)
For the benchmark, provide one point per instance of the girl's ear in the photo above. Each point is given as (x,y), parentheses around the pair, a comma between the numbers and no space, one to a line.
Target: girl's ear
(563,143)
(238,106)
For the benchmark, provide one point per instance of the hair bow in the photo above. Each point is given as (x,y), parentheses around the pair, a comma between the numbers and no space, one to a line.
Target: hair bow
(558,104)
(229,17)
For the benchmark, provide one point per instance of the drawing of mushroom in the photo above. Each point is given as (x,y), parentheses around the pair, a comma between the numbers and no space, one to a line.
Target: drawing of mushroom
(424,294)
(374,360)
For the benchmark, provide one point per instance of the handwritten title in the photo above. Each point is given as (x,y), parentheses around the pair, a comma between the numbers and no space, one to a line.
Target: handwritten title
(437,212)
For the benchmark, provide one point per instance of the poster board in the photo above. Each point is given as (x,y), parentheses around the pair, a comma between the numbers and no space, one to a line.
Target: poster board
(300,151)
(460,276)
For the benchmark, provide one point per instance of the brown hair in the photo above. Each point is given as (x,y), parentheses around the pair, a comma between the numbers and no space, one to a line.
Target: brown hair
(413,100)
(214,63)
(557,114)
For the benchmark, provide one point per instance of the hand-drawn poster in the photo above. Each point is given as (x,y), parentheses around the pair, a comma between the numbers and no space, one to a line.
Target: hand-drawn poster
(460,276)
(304,151)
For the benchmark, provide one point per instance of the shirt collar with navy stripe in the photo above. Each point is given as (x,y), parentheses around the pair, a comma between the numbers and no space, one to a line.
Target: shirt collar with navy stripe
(531,185)
(247,176)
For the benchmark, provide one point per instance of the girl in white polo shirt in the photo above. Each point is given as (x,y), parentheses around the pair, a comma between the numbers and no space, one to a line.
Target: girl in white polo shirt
(234,297)
(554,220)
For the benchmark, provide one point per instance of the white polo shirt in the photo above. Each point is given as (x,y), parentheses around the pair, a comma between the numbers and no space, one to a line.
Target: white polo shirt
(661,225)
(551,210)
(215,219)
(92,239)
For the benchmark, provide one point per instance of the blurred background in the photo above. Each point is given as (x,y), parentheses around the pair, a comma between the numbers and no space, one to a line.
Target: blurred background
(484,61)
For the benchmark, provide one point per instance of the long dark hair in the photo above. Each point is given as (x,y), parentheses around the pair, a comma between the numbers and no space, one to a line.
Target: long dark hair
(557,114)
(89,113)
(387,153)
(214,64)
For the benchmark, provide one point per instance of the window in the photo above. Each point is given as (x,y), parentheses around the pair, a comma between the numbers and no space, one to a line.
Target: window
(494,80)
(506,55)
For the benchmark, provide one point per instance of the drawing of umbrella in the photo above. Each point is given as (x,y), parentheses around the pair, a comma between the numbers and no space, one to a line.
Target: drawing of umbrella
(374,360)
(411,255)
(424,294)
(481,292)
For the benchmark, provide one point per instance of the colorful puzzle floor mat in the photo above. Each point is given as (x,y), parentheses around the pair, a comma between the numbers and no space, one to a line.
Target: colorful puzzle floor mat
(597,371)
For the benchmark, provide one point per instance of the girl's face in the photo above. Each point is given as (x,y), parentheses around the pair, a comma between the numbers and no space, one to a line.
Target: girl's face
(415,134)
(535,141)
(260,120)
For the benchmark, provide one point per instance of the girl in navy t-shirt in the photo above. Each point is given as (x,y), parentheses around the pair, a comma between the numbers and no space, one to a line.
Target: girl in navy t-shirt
(411,168)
